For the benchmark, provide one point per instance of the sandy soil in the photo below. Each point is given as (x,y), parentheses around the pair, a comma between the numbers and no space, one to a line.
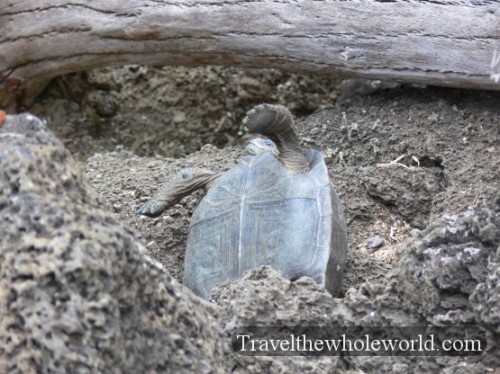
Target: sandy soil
(398,157)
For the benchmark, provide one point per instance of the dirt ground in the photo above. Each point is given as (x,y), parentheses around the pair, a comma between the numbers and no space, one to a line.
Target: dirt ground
(169,111)
(398,157)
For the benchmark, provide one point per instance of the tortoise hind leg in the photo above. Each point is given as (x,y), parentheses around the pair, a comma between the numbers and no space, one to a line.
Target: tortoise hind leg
(185,183)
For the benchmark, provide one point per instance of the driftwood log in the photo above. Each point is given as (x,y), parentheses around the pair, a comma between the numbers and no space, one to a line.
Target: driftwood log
(448,43)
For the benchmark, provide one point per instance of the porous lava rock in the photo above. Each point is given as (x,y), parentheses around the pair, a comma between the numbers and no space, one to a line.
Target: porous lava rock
(78,293)
(446,276)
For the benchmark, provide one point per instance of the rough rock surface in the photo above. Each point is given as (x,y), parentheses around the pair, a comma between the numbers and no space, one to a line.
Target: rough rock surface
(78,293)
(447,276)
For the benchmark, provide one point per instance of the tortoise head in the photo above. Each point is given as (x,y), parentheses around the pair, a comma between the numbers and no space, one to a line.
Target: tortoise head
(258,145)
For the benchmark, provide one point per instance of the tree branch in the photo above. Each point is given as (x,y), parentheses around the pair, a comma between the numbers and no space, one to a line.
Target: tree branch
(448,43)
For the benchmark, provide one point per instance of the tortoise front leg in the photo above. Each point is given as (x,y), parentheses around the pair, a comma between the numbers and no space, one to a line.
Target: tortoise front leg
(185,183)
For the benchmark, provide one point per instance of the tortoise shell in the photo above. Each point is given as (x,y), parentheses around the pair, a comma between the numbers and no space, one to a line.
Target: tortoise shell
(257,214)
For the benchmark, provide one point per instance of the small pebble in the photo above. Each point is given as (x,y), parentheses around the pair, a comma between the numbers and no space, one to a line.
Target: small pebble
(179,117)
(374,243)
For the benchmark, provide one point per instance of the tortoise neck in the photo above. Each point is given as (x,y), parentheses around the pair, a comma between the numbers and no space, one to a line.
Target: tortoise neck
(290,153)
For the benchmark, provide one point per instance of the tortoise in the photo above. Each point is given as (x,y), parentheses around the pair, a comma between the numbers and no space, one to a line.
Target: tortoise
(275,207)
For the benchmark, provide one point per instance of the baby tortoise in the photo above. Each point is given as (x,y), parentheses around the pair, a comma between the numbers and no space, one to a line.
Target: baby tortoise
(276,207)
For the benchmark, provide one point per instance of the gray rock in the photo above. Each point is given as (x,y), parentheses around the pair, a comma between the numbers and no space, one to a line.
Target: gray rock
(263,297)
(78,293)
(375,242)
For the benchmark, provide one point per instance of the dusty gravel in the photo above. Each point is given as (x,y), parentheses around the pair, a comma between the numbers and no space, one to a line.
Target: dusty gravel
(398,157)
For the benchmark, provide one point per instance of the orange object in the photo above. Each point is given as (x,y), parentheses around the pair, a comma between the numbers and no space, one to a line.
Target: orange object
(2,117)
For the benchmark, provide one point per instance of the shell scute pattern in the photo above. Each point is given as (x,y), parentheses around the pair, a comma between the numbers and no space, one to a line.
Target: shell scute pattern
(257,214)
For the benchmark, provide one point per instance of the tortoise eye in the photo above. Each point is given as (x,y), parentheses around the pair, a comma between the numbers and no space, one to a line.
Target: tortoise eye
(268,143)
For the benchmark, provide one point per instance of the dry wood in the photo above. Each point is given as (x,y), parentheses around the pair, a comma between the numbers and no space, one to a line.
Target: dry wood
(449,42)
